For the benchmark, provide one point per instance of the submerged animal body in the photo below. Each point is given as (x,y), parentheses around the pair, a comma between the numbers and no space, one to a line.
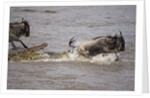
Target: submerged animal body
(16,30)
(101,44)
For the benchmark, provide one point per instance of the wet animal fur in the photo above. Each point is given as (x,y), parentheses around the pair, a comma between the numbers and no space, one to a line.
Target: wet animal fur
(101,44)
(18,29)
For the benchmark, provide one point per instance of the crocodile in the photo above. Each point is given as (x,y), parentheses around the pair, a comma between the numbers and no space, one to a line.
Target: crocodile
(28,54)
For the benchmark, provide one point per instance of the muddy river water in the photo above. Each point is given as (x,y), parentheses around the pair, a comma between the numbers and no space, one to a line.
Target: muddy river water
(55,26)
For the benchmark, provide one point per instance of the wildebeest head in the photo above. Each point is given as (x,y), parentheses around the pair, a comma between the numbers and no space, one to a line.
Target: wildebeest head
(26,28)
(116,41)
(20,28)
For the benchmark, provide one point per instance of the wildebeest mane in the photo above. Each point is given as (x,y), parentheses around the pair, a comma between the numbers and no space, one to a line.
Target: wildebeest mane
(97,37)
(101,36)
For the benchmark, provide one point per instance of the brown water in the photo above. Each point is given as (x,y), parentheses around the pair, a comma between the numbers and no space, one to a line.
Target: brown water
(55,26)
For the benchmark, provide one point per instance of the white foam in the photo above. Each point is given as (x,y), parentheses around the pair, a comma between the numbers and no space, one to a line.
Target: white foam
(106,58)
(73,55)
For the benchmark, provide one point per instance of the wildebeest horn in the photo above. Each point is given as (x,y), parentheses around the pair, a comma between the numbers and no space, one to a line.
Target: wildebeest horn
(120,33)
(71,41)
(22,19)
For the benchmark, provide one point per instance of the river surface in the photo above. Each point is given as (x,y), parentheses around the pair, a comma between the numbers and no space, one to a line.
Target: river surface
(55,26)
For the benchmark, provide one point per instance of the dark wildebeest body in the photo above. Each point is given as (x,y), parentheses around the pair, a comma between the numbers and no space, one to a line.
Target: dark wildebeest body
(16,30)
(100,44)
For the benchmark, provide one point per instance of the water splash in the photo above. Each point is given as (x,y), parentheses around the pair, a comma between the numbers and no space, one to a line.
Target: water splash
(73,55)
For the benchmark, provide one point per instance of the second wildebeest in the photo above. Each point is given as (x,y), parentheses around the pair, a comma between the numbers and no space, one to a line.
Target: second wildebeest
(18,29)
(101,44)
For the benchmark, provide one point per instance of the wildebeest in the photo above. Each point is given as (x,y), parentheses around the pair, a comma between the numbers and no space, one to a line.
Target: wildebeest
(18,29)
(101,44)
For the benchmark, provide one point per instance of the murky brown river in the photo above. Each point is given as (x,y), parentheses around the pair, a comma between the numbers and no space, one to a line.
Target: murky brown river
(55,26)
